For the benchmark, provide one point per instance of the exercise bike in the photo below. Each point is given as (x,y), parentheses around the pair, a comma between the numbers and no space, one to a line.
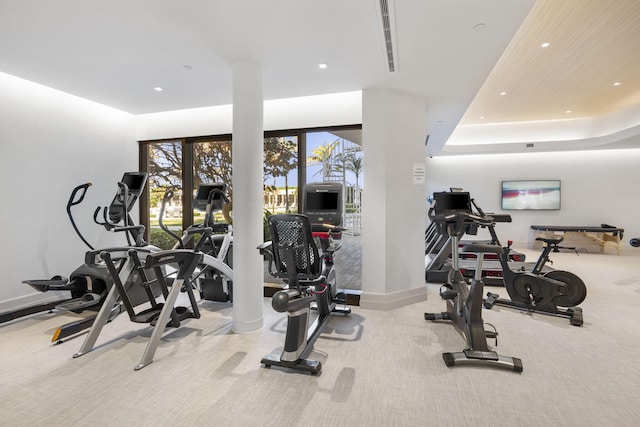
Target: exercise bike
(464,302)
(554,292)
(311,278)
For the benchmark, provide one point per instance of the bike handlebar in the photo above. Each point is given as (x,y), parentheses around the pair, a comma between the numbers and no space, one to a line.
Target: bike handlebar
(215,191)
(168,195)
(457,216)
(72,201)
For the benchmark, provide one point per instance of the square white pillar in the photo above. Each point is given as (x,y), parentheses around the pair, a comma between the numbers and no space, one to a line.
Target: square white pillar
(394,205)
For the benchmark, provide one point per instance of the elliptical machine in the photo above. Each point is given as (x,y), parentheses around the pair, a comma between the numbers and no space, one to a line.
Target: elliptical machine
(89,283)
(464,303)
(209,237)
(77,289)
(206,264)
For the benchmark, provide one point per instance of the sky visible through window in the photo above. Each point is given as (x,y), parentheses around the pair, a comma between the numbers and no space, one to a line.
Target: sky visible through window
(314,170)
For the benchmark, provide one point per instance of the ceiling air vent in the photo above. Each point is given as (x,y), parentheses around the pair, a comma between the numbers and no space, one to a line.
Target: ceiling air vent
(388,30)
(529,145)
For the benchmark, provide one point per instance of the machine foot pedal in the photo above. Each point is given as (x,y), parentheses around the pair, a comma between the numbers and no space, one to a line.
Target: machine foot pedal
(340,298)
(183,314)
(79,304)
(56,283)
(446,295)
(447,292)
(147,316)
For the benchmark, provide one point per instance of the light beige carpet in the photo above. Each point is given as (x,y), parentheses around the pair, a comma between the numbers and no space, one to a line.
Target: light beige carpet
(380,368)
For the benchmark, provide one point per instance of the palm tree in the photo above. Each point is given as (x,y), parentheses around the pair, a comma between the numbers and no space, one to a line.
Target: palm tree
(352,163)
(323,154)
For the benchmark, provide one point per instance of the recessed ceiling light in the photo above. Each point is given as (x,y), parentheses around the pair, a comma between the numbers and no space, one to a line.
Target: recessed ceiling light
(568,111)
(187,67)
(479,27)
(545,44)
(323,65)
(503,93)
(158,89)
(617,84)
(482,117)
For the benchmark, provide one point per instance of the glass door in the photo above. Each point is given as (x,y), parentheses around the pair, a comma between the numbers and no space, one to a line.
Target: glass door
(281,174)
(333,157)
(165,172)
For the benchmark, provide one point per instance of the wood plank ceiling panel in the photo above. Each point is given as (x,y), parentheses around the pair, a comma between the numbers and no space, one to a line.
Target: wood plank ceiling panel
(593,44)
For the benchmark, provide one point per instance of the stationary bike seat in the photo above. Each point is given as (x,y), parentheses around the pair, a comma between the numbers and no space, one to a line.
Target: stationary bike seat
(483,248)
(550,240)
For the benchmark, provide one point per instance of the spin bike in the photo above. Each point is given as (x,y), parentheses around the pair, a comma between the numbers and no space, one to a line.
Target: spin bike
(464,302)
(311,278)
(555,293)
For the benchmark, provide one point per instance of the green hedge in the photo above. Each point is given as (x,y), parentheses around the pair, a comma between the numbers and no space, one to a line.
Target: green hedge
(161,239)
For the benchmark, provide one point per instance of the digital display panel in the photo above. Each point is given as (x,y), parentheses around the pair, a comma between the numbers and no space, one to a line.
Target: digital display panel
(531,195)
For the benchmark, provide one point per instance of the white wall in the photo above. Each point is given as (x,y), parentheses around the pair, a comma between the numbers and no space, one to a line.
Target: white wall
(293,113)
(597,187)
(51,142)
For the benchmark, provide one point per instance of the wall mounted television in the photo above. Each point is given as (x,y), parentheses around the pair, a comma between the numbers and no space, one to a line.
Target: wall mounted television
(531,195)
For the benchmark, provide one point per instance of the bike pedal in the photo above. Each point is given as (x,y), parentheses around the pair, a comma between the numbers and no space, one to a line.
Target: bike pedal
(446,295)
(341,298)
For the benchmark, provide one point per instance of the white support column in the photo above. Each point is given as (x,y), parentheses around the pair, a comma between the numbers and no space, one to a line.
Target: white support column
(394,207)
(248,139)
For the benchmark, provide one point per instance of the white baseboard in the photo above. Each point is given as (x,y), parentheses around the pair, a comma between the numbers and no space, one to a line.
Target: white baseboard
(377,301)
(28,300)
(248,326)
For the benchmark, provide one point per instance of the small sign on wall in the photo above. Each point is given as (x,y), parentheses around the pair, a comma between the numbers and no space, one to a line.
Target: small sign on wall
(418,174)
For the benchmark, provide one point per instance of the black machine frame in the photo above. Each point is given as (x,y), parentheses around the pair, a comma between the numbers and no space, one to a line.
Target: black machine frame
(89,283)
(464,302)
(311,278)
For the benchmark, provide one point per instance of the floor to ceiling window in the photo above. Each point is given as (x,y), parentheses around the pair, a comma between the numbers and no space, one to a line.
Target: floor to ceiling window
(212,164)
(336,156)
(281,174)
(164,166)
(291,158)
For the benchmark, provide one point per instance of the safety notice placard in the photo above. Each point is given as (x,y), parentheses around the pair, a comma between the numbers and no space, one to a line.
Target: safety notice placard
(418,173)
